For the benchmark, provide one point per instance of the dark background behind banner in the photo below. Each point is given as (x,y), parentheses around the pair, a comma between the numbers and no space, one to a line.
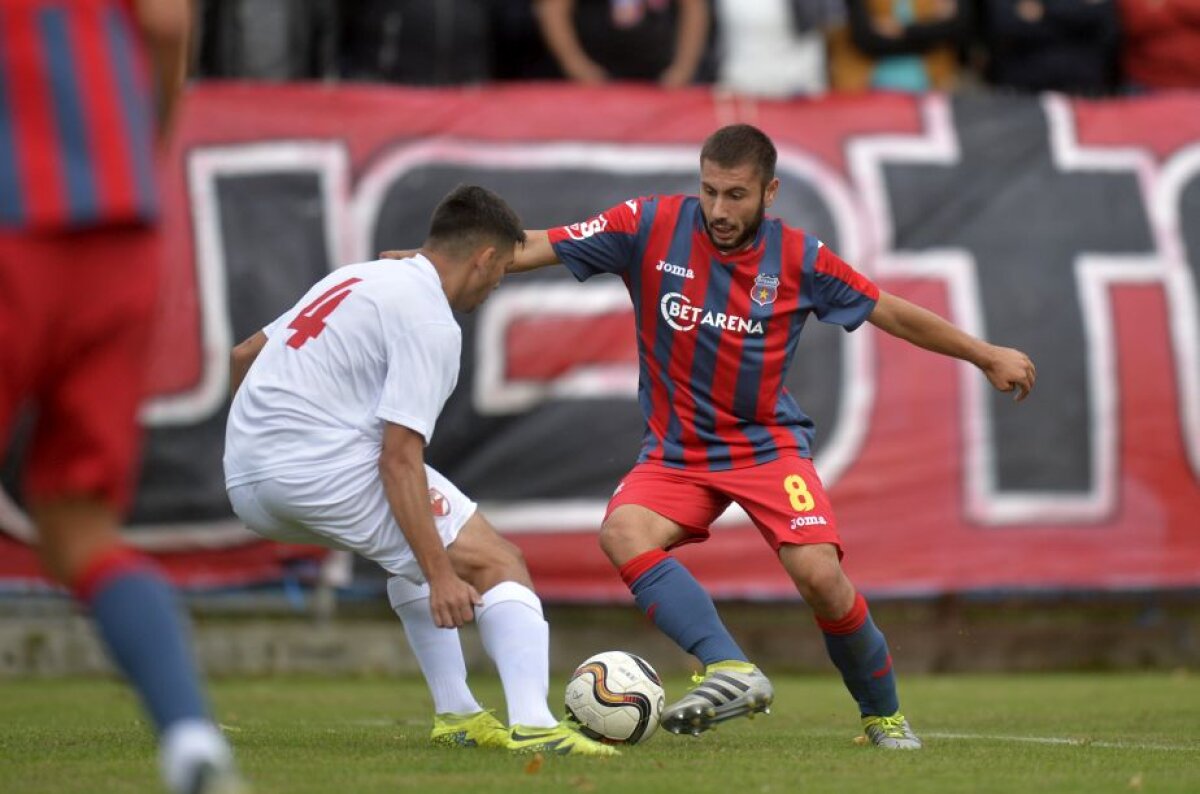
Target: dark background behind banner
(1065,229)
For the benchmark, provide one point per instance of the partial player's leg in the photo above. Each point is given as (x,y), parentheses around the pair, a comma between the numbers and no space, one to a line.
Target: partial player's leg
(788,503)
(348,510)
(855,644)
(459,720)
(81,463)
(517,638)
(654,511)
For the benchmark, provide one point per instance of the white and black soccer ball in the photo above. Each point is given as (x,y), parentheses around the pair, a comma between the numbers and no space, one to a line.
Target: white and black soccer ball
(615,697)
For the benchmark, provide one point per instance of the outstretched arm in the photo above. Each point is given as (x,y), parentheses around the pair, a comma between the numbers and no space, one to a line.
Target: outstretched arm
(1006,369)
(536,252)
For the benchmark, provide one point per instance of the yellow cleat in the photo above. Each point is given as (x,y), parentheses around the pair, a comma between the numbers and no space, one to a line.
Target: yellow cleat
(480,729)
(562,739)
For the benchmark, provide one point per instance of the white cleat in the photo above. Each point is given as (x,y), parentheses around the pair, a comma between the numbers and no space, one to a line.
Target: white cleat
(726,691)
(892,733)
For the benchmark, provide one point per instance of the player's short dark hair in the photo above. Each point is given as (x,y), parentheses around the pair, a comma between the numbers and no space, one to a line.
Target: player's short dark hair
(738,144)
(470,216)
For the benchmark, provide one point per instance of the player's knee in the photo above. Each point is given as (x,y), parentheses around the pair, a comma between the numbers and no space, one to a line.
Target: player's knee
(505,562)
(827,590)
(620,540)
(512,557)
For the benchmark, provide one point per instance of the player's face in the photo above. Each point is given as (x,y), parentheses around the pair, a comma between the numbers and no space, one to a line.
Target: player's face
(490,266)
(734,201)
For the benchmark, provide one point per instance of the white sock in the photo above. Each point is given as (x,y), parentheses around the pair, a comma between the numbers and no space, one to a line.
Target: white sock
(517,638)
(438,651)
(186,743)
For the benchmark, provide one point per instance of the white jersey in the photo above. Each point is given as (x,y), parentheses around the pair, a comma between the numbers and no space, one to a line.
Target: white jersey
(370,343)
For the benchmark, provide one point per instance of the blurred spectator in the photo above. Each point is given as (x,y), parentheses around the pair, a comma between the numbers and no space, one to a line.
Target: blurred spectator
(598,40)
(899,45)
(1051,45)
(518,50)
(1160,46)
(268,39)
(418,42)
(775,48)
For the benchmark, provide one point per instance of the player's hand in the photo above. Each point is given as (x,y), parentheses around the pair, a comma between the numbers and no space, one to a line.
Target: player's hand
(452,601)
(1010,370)
(398,254)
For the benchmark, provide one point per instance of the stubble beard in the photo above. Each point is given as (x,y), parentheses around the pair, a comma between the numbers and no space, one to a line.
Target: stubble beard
(746,236)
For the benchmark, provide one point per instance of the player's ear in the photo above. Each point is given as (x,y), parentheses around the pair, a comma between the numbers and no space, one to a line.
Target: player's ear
(770,192)
(484,257)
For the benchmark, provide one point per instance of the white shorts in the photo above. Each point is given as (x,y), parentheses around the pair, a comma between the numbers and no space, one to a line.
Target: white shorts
(347,509)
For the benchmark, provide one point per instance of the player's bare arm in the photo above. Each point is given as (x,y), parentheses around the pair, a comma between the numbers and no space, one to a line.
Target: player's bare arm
(164,26)
(242,357)
(534,253)
(402,470)
(1006,369)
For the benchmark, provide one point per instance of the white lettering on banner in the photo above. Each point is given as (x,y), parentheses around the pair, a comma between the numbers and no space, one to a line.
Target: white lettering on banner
(585,229)
(675,270)
(1095,273)
(681,315)
(808,521)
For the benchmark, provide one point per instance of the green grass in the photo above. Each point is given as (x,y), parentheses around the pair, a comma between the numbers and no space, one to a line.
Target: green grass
(1131,733)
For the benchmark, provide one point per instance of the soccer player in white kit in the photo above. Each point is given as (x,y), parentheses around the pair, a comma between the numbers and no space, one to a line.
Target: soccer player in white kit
(333,405)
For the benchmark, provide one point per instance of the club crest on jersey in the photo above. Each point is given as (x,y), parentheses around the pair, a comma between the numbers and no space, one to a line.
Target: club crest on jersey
(585,229)
(438,503)
(765,289)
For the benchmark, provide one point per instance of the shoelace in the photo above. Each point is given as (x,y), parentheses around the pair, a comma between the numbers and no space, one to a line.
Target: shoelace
(892,726)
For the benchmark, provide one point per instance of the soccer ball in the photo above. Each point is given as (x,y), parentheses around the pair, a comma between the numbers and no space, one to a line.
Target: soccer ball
(615,697)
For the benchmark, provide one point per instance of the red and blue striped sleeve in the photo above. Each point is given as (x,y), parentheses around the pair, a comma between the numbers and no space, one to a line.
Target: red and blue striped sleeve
(606,243)
(76,116)
(840,294)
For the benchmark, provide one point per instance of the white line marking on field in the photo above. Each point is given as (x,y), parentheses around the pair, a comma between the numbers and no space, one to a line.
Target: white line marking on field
(1066,740)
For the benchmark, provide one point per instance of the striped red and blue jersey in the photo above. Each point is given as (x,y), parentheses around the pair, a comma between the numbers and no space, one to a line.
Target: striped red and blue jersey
(76,116)
(716,331)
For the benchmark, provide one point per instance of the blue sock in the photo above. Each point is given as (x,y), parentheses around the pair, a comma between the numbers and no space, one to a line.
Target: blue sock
(138,619)
(859,650)
(682,609)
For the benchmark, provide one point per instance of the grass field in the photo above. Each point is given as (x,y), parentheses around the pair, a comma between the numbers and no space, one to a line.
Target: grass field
(1054,733)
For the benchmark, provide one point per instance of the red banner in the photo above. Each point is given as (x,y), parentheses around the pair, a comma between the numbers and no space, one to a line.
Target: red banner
(1068,229)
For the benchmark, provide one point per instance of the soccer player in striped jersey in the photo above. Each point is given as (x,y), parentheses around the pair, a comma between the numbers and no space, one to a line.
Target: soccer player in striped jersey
(78,288)
(720,294)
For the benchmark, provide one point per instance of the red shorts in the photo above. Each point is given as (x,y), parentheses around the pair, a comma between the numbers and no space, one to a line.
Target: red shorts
(76,314)
(784,498)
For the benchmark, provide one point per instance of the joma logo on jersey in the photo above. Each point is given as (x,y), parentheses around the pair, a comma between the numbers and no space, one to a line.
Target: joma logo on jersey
(681,315)
(808,521)
(675,270)
(585,229)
